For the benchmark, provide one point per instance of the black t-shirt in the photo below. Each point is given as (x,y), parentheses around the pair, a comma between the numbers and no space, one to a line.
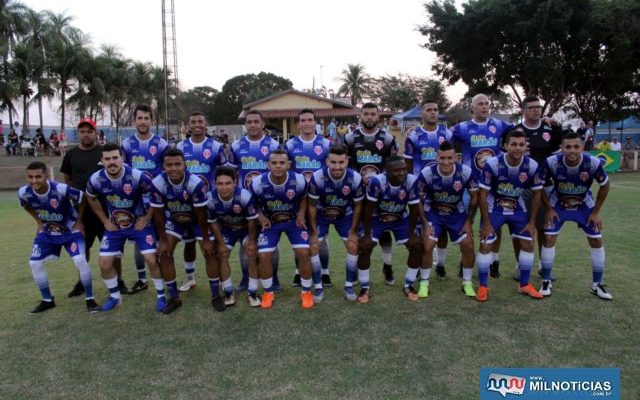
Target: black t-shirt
(543,141)
(368,153)
(80,164)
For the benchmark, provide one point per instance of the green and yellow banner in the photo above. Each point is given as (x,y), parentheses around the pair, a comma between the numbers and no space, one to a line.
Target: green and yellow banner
(611,159)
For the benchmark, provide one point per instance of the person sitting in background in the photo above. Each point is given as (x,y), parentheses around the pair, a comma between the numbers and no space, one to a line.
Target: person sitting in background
(102,140)
(40,143)
(13,142)
(63,142)
(603,145)
(615,145)
(54,142)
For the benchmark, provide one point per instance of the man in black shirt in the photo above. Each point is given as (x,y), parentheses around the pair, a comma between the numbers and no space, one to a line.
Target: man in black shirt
(77,166)
(543,139)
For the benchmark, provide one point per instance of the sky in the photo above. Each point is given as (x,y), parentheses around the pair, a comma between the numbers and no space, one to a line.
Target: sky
(298,40)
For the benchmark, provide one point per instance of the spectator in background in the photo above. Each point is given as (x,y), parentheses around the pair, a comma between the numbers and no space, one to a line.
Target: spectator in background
(603,145)
(590,137)
(40,143)
(615,145)
(54,142)
(332,130)
(102,140)
(342,132)
(63,142)
(628,149)
(319,128)
(13,142)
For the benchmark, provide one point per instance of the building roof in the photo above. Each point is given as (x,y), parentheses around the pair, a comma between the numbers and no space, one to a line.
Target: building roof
(293,91)
(293,113)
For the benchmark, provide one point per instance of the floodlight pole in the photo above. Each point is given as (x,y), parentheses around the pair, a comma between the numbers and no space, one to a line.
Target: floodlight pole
(170,50)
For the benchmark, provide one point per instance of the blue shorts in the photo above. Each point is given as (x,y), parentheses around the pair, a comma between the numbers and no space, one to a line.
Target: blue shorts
(268,239)
(453,224)
(516,223)
(579,216)
(230,236)
(342,225)
(400,229)
(185,232)
(48,247)
(112,243)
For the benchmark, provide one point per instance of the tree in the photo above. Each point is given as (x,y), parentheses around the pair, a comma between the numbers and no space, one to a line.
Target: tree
(354,83)
(200,98)
(12,26)
(402,92)
(243,89)
(544,48)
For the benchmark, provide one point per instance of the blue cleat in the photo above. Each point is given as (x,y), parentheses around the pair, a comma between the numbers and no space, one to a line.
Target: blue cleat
(318,295)
(110,304)
(161,303)
(349,293)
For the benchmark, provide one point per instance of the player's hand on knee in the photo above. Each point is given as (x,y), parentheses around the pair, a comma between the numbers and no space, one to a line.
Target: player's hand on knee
(252,248)
(549,217)
(594,218)
(486,232)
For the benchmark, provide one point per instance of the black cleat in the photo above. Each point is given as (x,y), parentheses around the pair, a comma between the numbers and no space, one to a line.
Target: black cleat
(172,305)
(441,272)
(218,304)
(326,280)
(139,286)
(494,269)
(43,306)
(123,287)
(387,270)
(296,281)
(77,290)
(92,306)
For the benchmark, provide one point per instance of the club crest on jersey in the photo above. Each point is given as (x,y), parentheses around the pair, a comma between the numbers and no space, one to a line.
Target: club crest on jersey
(54,203)
(264,150)
(206,153)
(73,247)
(185,195)
(440,139)
(149,239)
(317,150)
(523,177)
(492,129)
(291,194)
(304,235)
(127,188)
(379,144)
(402,194)
(153,150)
(237,209)
(584,175)
(346,190)
(546,136)
(457,185)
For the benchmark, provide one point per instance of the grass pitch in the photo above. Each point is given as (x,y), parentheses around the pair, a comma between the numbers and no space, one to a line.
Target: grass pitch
(389,348)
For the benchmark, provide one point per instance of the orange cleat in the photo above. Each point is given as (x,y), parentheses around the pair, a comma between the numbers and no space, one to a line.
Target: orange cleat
(307,299)
(483,293)
(267,300)
(530,291)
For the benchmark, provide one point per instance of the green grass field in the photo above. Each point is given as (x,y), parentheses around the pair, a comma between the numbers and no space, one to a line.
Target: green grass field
(387,349)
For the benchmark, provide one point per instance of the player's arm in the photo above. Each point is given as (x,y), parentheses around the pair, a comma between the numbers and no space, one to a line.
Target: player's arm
(535,207)
(301,216)
(96,207)
(34,215)
(201,218)
(313,215)
(252,246)
(223,251)
(487,229)
(414,216)
(366,241)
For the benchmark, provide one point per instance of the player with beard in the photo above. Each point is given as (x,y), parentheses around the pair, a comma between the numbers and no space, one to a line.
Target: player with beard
(250,155)
(421,149)
(368,148)
(202,155)
(308,152)
(336,193)
(143,151)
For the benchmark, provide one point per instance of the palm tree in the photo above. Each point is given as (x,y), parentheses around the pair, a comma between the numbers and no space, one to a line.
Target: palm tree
(22,69)
(37,27)
(354,83)
(11,27)
(90,96)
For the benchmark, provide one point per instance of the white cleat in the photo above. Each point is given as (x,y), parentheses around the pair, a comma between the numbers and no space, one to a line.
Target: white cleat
(600,291)
(545,290)
(188,284)
(254,301)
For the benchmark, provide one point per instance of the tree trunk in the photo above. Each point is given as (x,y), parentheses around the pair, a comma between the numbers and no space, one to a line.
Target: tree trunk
(62,100)
(40,114)
(25,112)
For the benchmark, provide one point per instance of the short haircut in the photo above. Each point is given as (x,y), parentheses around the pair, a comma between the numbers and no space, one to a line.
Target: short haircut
(173,152)
(428,101)
(306,111)
(569,134)
(394,158)
(529,99)
(445,146)
(369,105)
(110,146)
(225,170)
(143,108)
(338,149)
(278,152)
(255,112)
(195,114)
(514,133)
(37,165)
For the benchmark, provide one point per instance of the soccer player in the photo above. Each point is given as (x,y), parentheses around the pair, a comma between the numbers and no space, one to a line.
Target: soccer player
(502,182)
(234,210)
(121,188)
(388,195)
(202,155)
(543,139)
(368,148)
(281,197)
(308,153)
(180,202)
(336,193)
(143,151)
(420,150)
(572,172)
(443,185)
(50,204)
(250,155)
